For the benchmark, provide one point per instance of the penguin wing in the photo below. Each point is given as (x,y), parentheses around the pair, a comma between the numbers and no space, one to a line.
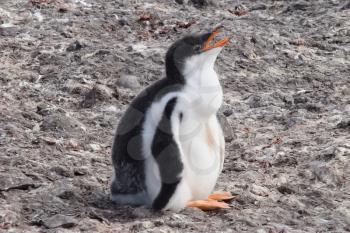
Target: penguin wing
(167,154)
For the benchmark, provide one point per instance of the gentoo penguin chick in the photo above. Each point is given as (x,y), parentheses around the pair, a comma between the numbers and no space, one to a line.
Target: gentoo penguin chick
(168,149)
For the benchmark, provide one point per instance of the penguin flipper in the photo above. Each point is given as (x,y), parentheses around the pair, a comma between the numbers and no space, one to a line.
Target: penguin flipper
(167,154)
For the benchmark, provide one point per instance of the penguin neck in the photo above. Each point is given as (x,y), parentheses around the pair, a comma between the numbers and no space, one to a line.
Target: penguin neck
(199,72)
(173,73)
(203,80)
(203,88)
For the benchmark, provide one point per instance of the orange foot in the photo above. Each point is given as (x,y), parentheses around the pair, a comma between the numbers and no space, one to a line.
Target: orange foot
(208,204)
(224,196)
(213,202)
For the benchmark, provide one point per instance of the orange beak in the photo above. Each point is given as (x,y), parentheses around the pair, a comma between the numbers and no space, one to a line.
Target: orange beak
(209,45)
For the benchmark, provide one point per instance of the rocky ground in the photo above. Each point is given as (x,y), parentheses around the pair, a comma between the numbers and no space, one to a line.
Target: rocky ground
(69,68)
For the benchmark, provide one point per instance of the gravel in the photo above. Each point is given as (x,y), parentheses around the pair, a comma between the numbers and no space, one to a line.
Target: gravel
(68,70)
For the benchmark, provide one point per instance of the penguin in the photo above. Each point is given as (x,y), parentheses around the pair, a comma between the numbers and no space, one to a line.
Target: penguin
(168,150)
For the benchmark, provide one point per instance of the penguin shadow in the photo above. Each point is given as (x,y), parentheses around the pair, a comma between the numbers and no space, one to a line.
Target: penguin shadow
(101,208)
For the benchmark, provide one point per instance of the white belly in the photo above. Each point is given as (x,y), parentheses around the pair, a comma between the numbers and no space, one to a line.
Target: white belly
(202,149)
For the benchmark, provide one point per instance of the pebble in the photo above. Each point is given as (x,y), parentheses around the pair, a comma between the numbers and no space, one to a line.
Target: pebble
(141,212)
(15,179)
(111,108)
(259,190)
(325,173)
(8,29)
(343,152)
(8,218)
(258,7)
(284,189)
(98,92)
(344,124)
(346,90)
(147,224)
(60,122)
(129,82)
(49,141)
(62,171)
(200,3)
(81,171)
(60,220)
(94,147)
(226,127)
(73,144)
(75,46)
(44,109)
(31,116)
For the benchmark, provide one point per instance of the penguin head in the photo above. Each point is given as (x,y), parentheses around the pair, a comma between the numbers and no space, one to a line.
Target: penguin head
(193,52)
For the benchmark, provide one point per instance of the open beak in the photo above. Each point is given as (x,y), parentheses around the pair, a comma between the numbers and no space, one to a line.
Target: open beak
(211,44)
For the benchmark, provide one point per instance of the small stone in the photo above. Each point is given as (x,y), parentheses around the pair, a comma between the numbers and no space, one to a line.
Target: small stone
(75,87)
(63,8)
(147,224)
(200,3)
(136,227)
(15,179)
(228,112)
(123,21)
(142,212)
(94,147)
(8,29)
(111,108)
(8,219)
(49,141)
(104,93)
(258,7)
(285,189)
(259,190)
(98,92)
(75,46)
(60,220)
(31,116)
(344,124)
(341,152)
(81,171)
(313,107)
(346,6)
(129,81)
(256,101)
(241,10)
(62,171)
(60,122)
(36,129)
(93,225)
(325,173)
(35,141)
(89,99)
(238,167)
(346,90)
(45,109)
(195,212)
(67,195)
(226,127)
(73,144)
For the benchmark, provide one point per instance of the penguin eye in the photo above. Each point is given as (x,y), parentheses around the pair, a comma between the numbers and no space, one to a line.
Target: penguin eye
(197,48)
